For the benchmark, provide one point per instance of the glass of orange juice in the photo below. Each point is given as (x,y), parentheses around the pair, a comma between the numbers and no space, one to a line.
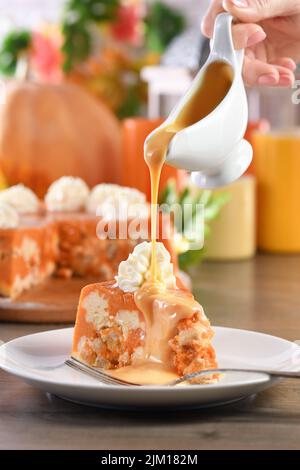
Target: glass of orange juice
(277,167)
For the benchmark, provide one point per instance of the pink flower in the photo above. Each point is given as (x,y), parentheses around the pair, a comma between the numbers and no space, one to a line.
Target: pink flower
(128,25)
(46,57)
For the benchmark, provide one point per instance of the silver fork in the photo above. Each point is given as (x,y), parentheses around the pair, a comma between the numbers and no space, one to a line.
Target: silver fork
(106,378)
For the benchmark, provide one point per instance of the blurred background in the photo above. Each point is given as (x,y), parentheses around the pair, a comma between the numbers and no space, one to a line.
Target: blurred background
(38,11)
(135,58)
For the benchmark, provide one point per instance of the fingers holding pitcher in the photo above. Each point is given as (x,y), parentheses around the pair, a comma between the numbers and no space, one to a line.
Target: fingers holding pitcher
(263,63)
(244,34)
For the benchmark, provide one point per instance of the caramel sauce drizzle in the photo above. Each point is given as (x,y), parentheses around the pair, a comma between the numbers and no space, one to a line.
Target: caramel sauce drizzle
(164,308)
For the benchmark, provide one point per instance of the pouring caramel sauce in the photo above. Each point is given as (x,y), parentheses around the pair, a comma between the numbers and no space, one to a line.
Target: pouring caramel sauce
(213,89)
(163,308)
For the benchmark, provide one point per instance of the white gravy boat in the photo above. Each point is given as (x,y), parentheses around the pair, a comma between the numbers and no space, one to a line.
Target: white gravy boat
(213,149)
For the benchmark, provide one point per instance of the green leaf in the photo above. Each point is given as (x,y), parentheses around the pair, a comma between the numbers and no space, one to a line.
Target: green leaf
(130,106)
(190,258)
(13,45)
(204,197)
(92,10)
(204,202)
(78,17)
(186,197)
(77,45)
(163,23)
(207,231)
(169,195)
(215,205)
(189,225)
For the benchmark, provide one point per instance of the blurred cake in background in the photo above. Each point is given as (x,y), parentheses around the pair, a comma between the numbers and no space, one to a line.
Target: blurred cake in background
(28,241)
(73,232)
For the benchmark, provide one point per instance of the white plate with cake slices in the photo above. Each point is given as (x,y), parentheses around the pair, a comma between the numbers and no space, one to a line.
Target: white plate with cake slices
(34,358)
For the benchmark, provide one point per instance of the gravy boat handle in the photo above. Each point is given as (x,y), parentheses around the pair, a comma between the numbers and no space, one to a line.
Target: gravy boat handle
(221,45)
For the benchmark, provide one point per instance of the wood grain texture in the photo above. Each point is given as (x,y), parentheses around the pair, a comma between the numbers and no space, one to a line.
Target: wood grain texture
(262,295)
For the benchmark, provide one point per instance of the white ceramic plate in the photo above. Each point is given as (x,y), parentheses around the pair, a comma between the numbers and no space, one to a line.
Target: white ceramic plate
(29,357)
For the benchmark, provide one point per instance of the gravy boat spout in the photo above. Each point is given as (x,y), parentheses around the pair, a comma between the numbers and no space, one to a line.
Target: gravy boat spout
(211,119)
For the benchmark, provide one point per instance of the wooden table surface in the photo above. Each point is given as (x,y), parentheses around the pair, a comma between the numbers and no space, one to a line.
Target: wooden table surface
(263,295)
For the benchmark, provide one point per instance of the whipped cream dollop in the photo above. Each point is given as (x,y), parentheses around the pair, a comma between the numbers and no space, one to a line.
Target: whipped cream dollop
(21,198)
(68,194)
(135,271)
(114,201)
(9,217)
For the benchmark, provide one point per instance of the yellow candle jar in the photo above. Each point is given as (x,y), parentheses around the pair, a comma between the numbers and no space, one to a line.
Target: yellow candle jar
(277,167)
(233,233)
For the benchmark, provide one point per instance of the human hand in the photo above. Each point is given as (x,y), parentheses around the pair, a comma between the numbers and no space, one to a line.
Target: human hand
(269,31)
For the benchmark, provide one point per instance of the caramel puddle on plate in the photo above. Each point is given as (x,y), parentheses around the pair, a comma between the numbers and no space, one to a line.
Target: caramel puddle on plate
(163,308)
(145,373)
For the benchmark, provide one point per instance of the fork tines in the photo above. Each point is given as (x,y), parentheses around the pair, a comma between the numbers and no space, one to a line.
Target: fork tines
(99,374)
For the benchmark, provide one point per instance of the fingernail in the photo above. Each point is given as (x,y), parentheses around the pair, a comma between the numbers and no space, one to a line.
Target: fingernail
(256,37)
(285,79)
(267,79)
(240,3)
(292,65)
